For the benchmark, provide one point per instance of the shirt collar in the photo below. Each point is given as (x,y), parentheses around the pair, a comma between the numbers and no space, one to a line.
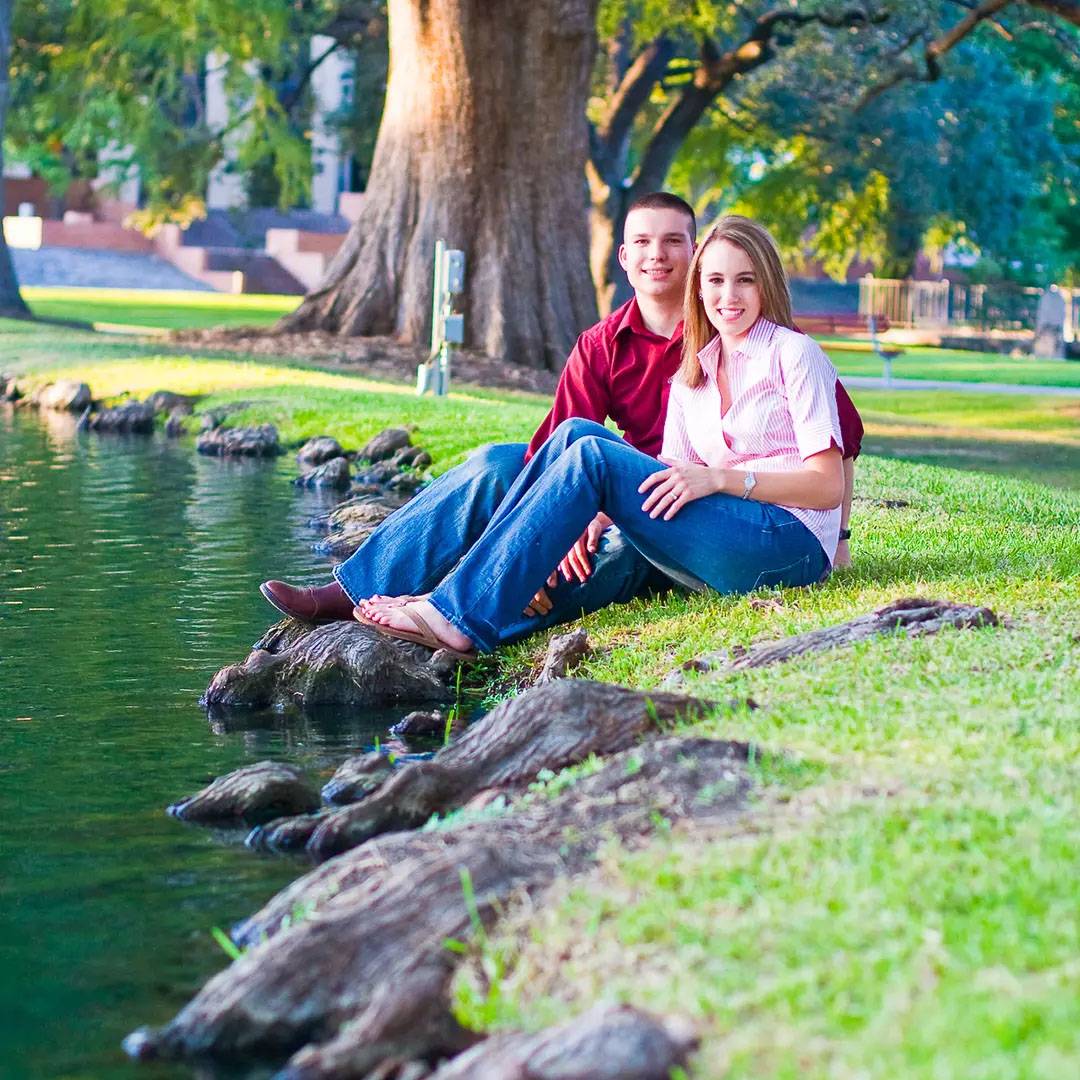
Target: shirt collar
(756,342)
(632,323)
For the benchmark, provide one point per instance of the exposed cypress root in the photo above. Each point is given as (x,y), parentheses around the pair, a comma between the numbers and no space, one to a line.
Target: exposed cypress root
(548,727)
(355,977)
(565,652)
(341,663)
(357,777)
(286,833)
(256,793)
(914,616)
(609,1042)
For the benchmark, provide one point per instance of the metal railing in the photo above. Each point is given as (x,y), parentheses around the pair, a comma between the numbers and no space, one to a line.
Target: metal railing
(905,303)
(928,304)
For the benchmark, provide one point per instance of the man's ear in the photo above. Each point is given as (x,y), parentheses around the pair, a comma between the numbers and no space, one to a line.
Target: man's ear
(622,256)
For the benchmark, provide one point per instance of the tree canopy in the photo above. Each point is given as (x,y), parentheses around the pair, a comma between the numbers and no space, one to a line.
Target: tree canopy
(856,130)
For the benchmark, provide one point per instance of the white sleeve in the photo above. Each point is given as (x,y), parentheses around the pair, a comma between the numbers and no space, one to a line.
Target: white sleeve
(810,384)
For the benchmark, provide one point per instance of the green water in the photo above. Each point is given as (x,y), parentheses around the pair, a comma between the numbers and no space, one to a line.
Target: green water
(128,574)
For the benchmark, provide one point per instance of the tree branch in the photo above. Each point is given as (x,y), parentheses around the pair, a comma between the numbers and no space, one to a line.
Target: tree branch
(716,72)
(290,99)
(1069,10)
(613,133)
(930,70)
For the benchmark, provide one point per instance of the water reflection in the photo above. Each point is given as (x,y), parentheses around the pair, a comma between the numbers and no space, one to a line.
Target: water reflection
(128,574)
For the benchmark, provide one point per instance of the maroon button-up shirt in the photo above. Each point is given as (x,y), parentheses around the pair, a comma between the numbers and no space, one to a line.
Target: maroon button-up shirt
(620,369)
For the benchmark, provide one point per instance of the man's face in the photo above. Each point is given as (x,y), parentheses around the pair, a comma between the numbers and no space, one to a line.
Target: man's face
(656,251)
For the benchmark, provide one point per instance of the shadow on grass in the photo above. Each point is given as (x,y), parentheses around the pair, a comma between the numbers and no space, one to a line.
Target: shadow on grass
(1054,463)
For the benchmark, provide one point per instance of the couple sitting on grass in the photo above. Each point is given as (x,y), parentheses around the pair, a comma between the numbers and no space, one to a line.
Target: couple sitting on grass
(733,472)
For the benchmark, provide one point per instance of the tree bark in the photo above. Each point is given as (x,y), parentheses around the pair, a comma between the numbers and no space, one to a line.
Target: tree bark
(12,304)
(356,976)
(483,143)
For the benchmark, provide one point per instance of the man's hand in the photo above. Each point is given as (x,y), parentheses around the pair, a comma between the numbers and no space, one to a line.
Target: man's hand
(678,485)
(540,604)
(843,555)
(578,561)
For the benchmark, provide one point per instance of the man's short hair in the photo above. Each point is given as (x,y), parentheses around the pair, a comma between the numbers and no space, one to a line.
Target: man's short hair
(664,200)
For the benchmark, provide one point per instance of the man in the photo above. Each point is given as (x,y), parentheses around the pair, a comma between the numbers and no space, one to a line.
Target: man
(619,369)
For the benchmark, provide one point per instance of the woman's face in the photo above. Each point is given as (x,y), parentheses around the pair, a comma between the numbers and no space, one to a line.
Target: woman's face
(729,289)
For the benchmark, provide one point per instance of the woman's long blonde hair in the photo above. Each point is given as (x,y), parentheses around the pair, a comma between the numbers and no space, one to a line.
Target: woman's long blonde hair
(772,280)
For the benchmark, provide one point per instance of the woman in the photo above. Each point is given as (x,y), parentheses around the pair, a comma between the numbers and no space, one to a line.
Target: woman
(752,442)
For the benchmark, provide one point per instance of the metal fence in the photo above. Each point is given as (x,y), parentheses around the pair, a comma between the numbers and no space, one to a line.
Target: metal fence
(928,304)
(905,303)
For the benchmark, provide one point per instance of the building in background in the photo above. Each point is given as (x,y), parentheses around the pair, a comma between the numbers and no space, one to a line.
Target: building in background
(239,247)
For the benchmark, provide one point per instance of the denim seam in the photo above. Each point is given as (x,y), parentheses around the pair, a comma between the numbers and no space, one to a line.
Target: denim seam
(341,584)
(804,561)
(462,618)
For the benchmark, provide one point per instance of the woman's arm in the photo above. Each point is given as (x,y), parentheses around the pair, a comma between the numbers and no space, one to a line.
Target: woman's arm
(818,485)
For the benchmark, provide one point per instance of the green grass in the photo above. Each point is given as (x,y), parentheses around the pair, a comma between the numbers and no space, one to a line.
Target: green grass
(300,400)
(902,901)
(1034,437)
(171,309)
(957,365)
(909,909)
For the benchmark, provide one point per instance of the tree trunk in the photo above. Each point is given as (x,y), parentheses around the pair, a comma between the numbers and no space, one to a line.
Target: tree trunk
(483,143)
(904,233)
(11,303)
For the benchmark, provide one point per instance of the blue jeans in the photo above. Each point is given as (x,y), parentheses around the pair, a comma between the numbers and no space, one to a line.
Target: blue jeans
(727,543)
(417,546)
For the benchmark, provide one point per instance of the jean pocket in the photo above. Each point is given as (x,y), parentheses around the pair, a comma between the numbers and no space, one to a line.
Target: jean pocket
(796,573)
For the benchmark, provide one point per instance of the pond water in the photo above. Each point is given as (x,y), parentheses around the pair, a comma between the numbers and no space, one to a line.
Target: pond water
(128,575)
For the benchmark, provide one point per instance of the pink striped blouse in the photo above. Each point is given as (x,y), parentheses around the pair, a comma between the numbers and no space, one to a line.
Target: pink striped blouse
(782,411)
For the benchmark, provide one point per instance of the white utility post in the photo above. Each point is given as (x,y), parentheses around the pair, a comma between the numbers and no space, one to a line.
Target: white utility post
(447,325)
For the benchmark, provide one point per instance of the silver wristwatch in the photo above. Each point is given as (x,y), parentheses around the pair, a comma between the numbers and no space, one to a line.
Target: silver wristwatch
(749,482)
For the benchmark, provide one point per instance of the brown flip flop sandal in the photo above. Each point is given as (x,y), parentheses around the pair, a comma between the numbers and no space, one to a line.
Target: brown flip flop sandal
(394,601)
(422,635)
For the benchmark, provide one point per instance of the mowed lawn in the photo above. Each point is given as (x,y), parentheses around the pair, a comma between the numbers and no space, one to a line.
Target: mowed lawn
(176,309)
(168,309)
(903,900)
(957,365)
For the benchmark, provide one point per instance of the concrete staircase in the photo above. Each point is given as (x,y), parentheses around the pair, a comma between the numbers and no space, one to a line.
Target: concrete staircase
(215,251)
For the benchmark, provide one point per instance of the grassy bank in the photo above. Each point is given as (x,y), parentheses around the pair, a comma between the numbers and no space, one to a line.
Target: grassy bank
(903,902)
(957,365)
(906,905)
(170,309)
(1033,437)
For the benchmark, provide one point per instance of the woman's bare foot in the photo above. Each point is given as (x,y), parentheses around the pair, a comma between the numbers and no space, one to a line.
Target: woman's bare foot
(398,618)
(374,607)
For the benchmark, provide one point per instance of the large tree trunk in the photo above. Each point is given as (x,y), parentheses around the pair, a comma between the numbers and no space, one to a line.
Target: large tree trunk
(11,303)
(483,144)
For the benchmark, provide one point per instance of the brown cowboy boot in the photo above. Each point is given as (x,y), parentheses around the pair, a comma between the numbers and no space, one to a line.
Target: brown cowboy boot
(324,604)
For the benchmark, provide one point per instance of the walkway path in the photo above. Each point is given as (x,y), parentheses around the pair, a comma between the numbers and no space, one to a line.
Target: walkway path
(868,382)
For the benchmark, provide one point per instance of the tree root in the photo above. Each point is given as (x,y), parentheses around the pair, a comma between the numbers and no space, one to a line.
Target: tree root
(253,794)
(914,616)
(340,663)
(548,727)
(352,977)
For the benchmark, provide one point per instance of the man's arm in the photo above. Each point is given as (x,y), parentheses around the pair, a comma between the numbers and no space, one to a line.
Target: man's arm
(851,428)
(583,390)
(843,548)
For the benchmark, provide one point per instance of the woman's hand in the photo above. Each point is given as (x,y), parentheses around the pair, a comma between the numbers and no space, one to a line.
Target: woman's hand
(678,485)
